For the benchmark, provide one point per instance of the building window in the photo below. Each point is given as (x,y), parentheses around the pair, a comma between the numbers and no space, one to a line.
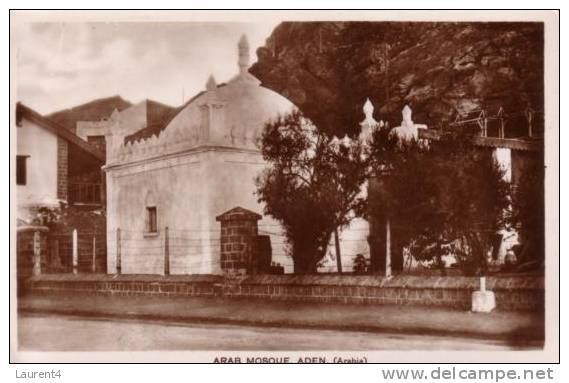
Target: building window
(21,176)
(152,224)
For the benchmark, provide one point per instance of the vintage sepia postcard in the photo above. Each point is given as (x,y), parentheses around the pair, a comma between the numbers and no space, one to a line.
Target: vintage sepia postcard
(284,187)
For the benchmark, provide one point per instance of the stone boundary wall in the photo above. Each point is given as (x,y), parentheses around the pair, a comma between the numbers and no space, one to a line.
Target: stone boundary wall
(126,285)
(512,293)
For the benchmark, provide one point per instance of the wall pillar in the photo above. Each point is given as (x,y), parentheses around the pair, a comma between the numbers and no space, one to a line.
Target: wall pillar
(239,233)
(37,254)
(32,253)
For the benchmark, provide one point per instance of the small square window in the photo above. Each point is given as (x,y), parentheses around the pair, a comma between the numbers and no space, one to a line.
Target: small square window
(152,224)
(21,173)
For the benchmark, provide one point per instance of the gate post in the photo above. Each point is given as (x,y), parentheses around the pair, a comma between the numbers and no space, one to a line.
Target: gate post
(239,231)
(37,254)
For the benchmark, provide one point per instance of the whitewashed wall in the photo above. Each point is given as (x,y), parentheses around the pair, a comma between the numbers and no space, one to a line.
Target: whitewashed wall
(189,191)
(41,166)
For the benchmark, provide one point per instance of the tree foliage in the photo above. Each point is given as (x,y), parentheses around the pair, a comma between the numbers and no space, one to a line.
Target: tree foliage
(528,212)
(449,194)
(311,186)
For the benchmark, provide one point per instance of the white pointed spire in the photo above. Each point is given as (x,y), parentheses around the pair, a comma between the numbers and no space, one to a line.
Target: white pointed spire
(243,61)
(408,130)
(368,109)
(369,123)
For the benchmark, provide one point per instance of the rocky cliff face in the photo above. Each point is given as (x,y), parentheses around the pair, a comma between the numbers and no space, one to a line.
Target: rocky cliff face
(328,69)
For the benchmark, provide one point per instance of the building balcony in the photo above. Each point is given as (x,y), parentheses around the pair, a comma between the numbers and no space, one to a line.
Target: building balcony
(85,193)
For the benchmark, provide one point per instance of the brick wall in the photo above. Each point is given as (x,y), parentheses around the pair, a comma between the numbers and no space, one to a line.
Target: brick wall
(127,285)
(239,233)
(237,244)
(62,168)
(512,293)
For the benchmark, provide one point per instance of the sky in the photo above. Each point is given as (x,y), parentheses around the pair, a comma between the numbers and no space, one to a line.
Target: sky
(61,65)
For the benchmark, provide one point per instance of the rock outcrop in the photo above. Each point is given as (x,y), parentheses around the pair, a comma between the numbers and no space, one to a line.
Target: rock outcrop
(328,69)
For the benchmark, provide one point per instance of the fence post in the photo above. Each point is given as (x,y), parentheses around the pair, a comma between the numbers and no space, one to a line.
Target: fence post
(387,249)
(75,252)
(119,260)
(94,265)
(166,252)
(37,254)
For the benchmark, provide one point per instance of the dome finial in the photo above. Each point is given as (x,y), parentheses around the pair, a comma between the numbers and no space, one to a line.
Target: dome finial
(243,47)
(211,84)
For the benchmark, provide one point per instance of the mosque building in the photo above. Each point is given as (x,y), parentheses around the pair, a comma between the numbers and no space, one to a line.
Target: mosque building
(176,179)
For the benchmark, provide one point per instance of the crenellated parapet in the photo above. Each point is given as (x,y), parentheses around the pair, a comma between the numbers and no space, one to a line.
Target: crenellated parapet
(166,142)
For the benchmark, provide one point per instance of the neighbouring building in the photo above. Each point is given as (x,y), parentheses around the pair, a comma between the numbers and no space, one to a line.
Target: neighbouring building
(145,115)
(96,110)
(58,185)
(167,183)
(51,161)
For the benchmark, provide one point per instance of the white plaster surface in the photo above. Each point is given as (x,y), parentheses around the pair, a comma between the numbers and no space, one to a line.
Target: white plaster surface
(41,184)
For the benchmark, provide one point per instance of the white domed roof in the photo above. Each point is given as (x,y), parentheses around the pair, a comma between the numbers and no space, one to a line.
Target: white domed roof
(231,114)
